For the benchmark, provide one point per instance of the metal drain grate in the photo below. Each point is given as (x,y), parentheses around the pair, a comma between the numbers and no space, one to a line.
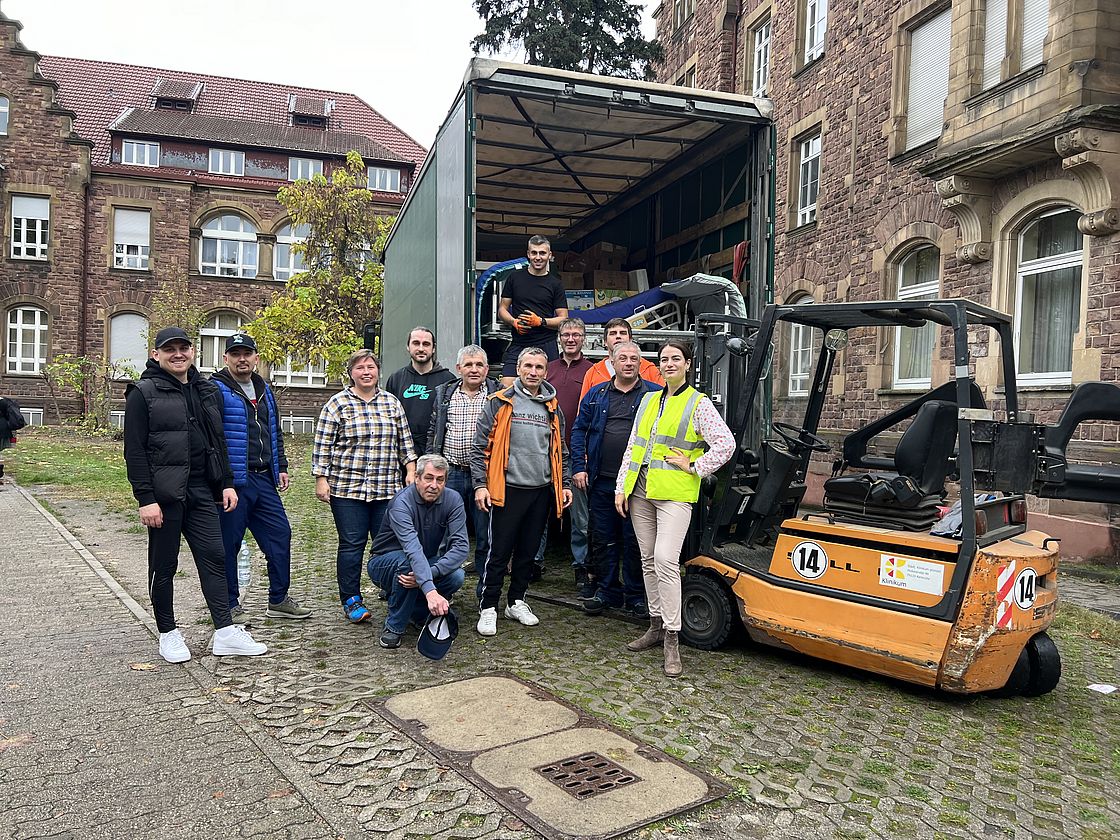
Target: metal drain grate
(586,775)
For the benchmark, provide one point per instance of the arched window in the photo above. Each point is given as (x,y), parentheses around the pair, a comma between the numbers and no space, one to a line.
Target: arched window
(128,344)
(287,262)
(27,340)
(212,339)
(913,346)
(800,354)
(229,247)
(4,111)
(1048,296)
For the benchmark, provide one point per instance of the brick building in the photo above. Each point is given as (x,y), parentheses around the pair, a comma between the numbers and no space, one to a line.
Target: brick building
(114,177)
(936,148)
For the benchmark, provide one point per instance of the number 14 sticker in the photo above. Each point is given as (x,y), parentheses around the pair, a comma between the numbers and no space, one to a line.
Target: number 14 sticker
(1024,589)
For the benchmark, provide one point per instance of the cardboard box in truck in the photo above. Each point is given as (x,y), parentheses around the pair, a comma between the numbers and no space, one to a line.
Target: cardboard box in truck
(607,280)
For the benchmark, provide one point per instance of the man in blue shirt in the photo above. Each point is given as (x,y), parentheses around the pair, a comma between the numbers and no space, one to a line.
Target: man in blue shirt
(406,559)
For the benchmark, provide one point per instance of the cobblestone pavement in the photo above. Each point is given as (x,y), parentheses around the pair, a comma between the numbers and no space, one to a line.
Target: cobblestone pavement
(1092,594)
(811,750)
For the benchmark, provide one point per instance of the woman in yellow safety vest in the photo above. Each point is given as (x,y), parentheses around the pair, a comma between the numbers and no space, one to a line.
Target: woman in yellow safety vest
(678,438)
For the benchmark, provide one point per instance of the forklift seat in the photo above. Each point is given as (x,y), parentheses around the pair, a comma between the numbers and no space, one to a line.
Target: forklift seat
(910,497)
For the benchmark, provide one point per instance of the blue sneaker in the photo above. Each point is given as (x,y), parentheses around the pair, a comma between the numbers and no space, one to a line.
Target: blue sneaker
(354,610)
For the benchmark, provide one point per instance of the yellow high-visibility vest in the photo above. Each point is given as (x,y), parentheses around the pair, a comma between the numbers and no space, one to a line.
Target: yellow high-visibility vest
(660,430)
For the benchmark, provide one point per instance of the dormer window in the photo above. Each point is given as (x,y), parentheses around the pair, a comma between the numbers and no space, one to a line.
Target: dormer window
(176,94)
(309,111)
(305,121)
(165,104)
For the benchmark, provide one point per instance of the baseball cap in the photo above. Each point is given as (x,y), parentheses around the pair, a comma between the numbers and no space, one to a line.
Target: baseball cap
(168,334)
(241,340)
(437,635)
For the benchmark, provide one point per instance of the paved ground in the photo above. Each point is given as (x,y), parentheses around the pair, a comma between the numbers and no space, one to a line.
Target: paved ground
(283,745)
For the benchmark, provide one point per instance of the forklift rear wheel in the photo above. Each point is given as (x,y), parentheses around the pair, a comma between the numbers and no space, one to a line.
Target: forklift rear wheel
(707,612)
(1038,668)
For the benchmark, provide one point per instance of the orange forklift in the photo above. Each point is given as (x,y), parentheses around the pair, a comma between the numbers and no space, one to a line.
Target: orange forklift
(880,579)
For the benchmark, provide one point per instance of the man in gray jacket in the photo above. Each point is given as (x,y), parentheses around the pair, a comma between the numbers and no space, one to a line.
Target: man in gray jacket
(519,464)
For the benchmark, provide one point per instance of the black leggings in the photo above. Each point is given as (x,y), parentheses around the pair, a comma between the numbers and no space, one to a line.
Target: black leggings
(196,520)
(515,531)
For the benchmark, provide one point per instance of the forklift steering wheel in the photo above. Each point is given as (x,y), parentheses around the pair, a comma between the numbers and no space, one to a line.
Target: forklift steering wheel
(797,438)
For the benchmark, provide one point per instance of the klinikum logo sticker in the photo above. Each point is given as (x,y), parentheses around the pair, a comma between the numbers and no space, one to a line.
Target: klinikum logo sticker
(809,560)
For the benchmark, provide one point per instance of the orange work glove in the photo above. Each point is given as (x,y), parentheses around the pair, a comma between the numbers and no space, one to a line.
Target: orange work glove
(530,319)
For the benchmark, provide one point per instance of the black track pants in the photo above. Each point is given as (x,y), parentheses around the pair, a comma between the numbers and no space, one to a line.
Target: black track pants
(515,531)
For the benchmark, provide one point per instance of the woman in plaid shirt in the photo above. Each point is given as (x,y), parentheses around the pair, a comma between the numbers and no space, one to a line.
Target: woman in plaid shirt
(361,442)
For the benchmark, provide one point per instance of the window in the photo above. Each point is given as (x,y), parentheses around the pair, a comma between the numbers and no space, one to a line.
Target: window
(913,346)
(30,226)
(682,11)
(800,355)
(816,22)
(1048,297)
(297,425)
(34,416)
(131,238)
(384,179)
(808,182)
(128,344)
(1034,20)
(27,340)
(308,121)
(286,261)
(166,104)
(927,80)
(139,153)
(300,376)
(212,339)
(4,111)
(761,59)
(229,247)
(223,162)
(305,168)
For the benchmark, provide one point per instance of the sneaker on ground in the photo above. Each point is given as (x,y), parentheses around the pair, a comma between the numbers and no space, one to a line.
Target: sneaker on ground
(520,611)
(594,605)
(354,610)
(236,641)
(173,647)
(288,608)
(237,613)
(488,622)
(389,639)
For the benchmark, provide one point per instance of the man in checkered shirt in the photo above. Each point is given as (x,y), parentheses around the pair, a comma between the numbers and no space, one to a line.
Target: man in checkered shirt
(361,442)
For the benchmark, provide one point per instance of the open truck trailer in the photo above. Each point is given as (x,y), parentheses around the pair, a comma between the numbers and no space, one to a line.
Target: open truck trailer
(673,181)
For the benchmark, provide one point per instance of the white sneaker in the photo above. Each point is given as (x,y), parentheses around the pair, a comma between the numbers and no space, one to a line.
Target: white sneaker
(488,622)
(236,641)
(173,647)
(520,611)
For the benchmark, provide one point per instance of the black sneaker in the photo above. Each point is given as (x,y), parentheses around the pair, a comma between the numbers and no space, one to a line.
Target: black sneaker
(637,610)
(594,606)
(389,639)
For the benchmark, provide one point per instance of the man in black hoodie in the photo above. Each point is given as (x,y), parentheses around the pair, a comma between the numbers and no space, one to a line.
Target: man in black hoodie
(175,454)
(415,384)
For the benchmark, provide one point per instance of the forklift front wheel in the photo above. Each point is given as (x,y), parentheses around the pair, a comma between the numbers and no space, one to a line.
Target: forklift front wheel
(706,612)
(1038,668)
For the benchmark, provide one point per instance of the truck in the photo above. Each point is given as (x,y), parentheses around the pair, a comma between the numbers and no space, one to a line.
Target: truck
(635,184)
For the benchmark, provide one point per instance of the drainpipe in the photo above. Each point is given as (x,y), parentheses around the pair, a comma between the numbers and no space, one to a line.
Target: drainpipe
(83,312)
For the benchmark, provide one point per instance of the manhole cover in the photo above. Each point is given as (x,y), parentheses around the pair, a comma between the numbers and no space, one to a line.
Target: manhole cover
(586,775)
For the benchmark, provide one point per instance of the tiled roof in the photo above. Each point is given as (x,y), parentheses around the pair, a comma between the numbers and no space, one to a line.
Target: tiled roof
(309,105)
(234,132)
(100,91)
(177,89)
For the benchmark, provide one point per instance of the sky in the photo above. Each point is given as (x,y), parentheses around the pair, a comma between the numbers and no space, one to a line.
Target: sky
(406,58)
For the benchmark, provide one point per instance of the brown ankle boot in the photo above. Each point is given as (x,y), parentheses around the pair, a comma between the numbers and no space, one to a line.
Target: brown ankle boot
(651,638)
(673,666)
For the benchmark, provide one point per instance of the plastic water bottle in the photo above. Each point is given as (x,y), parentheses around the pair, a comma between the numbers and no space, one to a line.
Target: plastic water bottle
(244,566)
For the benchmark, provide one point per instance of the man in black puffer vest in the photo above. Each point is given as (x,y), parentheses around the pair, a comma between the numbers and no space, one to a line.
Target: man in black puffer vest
(175,453)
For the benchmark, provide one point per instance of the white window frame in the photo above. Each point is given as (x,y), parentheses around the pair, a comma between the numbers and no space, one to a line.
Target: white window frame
(304,168)
(212,339)
(927,79)
(760,38)
(296,263)
(141,152)
(241,268)
(132,252)
(930,290)
(31,235)
(309,376)
(800,355)
(5,115)
(374,177)
(816,26)
(139,338)
(289,422)
(35,416)
(1070,259)
(23,358)
(808,178)
(227,162)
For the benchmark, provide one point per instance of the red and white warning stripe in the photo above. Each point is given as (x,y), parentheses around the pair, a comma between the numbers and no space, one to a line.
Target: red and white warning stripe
(1005,587)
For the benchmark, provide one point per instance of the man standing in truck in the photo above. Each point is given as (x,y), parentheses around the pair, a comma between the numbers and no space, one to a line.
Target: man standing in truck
(533,304)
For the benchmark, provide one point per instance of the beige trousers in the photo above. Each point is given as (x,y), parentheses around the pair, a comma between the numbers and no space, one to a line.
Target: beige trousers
(661,528)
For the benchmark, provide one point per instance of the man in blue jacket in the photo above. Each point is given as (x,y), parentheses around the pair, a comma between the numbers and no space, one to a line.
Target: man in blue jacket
(256,453)
(599,443)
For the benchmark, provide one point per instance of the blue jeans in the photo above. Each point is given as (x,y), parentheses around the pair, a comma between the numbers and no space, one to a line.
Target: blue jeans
(459,480)
(614,548)
(580,535)
(407,604)
(356,522)
(259,509)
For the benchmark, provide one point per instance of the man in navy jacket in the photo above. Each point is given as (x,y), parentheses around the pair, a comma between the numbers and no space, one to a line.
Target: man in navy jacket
(599,437)
(256,454)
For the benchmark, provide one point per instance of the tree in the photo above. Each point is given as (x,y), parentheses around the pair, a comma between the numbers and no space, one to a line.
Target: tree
(592,36)
(321,311)
(174,304)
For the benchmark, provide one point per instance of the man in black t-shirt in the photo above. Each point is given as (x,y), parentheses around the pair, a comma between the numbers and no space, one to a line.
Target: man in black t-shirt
(534,304)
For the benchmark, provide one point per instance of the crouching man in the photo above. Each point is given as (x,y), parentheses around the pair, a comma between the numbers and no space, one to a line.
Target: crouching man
(406,561)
